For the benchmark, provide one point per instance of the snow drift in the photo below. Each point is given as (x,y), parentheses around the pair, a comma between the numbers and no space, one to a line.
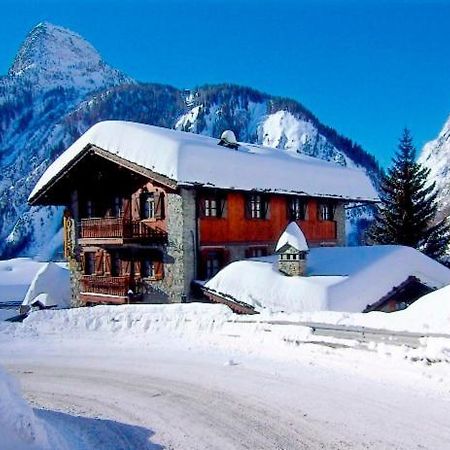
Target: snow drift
(50,287)
(20,429)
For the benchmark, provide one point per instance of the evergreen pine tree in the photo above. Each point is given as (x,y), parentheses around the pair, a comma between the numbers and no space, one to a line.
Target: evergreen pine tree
(407,211)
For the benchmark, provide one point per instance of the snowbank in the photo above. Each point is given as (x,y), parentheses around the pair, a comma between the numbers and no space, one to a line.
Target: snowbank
(205,325)
(16,276)
(20,429)
(50,287)
(337,279)
(191,159)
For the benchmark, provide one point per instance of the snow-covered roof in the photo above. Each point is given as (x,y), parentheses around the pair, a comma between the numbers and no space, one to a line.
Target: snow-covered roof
(191,159)
(50,286)
(294,237)
(337,278)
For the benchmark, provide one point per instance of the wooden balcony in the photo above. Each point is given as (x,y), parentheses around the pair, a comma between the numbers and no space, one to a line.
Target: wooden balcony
(118,230)
(104,289)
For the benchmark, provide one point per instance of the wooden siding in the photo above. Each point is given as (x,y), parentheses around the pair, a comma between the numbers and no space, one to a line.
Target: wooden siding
(235,227)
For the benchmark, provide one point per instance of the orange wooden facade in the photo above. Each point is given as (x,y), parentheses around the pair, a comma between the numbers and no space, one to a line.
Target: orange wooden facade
(236,228)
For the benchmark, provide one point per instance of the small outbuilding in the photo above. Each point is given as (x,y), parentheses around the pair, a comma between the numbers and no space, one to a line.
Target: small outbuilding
(351,279)
(292,250)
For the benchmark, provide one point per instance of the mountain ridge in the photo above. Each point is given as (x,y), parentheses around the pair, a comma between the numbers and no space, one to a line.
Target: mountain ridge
(42,113)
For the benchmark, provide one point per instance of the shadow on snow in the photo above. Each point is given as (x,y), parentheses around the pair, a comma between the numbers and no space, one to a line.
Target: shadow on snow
(84,433)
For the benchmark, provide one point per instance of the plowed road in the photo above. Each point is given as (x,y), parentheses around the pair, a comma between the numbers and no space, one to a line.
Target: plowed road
(105,395)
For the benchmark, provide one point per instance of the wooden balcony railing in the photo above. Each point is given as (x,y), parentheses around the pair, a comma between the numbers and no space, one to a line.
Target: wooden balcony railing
(117,227)
(117,286)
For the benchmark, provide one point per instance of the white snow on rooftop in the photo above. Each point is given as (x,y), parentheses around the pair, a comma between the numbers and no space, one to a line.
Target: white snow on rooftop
(338,279)
(294,237)
(192,159)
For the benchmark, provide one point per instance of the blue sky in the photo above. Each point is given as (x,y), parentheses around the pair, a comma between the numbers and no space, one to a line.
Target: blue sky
(367,68)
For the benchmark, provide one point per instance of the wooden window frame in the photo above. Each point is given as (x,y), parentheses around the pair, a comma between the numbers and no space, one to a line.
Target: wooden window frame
(257,206)
(156,212)
(329,207)
(155,261)
(212,205)
(298,208)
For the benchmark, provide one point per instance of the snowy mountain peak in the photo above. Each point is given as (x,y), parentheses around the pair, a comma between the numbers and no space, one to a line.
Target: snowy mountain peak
(436,156)
(52,56)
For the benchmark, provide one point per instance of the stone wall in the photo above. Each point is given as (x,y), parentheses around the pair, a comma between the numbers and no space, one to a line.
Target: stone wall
(292,267)
(180,255)
(339,217)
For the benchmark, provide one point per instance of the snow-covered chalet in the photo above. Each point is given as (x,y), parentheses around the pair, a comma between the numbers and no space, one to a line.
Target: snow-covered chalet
(149,210)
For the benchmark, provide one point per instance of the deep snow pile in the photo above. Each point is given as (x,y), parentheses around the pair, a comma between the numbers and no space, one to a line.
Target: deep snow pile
(20,429)
(337,279)
(16,276)
(294,237)
(50,287)
(429,315)
(191,159)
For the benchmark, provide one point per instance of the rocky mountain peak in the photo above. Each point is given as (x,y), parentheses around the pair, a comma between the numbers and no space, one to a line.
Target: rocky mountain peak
(52,56)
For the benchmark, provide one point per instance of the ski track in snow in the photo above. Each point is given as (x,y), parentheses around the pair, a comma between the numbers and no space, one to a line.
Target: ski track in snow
(180,398)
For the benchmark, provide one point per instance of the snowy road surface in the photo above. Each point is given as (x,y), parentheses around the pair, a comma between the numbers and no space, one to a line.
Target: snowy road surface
(110,394)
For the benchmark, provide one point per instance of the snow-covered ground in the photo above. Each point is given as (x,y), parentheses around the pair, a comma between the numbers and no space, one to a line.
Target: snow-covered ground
(199,377)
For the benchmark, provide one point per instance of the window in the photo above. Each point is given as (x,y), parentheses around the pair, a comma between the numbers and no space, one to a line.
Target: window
(117,207)
(326,211)
(148,205)
(148,268)
(213,263)
(297,209)
(257,207)
(115,265)
(256,252)
(212,205)
(89,263)
(152,205)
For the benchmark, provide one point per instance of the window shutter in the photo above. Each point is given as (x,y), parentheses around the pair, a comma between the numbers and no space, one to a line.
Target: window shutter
(137,268)
(333,207)
(221,202)
(136,212)
(248,213)
(265,205)
(126,267)
(158,267)
(305,210)
(99,263)
(107,264)
(159,205)
(126,208)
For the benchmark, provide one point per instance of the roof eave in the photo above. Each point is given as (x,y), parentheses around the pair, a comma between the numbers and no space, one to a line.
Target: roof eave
(91,149)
